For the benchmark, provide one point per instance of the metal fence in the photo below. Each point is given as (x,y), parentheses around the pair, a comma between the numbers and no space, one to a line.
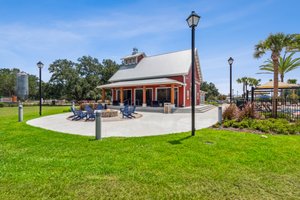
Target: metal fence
(286,108)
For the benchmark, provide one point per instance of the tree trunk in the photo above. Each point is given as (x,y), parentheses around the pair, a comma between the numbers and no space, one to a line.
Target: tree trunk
(282,79)
(243,90)
(275,56)
(246,87)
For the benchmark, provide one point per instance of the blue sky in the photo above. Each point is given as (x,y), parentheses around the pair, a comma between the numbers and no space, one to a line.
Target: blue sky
(47,30)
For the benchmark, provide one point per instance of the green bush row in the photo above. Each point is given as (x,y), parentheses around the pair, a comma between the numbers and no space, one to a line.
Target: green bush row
(278,126)
(3,104)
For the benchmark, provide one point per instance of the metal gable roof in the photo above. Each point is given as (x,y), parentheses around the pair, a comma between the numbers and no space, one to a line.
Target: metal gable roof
(164,65)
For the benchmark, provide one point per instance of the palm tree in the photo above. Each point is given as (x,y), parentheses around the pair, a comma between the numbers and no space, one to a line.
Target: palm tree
(275,43)
(286,64)
(253,82)
(295,47)
(243,80)
(292,81)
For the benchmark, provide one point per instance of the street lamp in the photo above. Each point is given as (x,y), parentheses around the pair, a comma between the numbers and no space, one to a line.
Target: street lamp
(40,66)
(192,21)
(230,61)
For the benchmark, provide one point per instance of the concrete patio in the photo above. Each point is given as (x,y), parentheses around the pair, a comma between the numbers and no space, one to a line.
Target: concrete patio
(147,125)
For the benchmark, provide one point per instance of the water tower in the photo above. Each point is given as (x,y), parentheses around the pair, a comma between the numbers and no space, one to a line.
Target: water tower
(22,86)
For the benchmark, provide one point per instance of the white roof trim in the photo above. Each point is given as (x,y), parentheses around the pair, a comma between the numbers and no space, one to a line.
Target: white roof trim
(151,77)
(146,82)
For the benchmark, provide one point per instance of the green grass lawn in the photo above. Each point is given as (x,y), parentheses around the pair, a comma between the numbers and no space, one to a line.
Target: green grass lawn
(41,164)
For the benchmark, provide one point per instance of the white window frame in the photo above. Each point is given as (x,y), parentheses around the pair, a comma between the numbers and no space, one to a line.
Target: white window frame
(142,90)
(167,88)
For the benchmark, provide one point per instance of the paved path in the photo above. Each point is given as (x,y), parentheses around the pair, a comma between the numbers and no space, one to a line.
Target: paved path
(148,124)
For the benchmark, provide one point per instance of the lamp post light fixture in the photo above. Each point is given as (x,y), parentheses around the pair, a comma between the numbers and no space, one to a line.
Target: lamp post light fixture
(230,61)
(40,66)
(192,21)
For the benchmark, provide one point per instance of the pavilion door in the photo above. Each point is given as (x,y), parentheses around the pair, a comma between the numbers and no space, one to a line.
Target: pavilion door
(148,97)
(127,97)
(118,98)
(138,97)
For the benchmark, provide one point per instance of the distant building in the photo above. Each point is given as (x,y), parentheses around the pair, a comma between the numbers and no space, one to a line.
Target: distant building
(154,80)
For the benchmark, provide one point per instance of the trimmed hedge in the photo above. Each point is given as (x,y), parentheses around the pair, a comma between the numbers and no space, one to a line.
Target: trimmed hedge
(278,126)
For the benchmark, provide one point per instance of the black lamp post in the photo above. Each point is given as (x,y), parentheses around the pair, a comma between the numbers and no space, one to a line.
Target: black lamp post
(192,21)
(230,61)
(40,66)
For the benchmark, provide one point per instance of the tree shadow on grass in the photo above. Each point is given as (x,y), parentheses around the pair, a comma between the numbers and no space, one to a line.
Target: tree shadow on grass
(173,142)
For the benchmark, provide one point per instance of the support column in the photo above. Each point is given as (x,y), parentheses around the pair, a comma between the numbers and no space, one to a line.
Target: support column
(103,95)
(121,97)
(132,97)
(144,97)
(172,94)
(199,96)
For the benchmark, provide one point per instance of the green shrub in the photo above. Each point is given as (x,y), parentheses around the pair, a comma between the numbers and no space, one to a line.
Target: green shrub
(214,103)
(292,130)
(246,123)
(297,126)
(12,105)
(278,126)
(5,104)
(216,125)
(228,123)
(236,124)
(280,129)
(260,125)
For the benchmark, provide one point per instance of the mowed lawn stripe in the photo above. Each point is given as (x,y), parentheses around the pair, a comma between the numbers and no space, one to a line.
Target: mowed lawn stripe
(215,164)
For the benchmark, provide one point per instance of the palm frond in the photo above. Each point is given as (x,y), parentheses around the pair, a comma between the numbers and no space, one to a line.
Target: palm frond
(286,64)
(266,68)
(259,50)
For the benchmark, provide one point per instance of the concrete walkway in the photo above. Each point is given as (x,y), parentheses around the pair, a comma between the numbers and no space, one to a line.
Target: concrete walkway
(149,124)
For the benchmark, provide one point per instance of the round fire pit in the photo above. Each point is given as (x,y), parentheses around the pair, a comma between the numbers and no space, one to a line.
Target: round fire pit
(109,113)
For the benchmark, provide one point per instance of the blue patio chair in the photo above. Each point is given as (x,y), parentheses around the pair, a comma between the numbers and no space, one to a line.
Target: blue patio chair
(126,112)
(78,114)
(126,102)
(73,110)
(89,112)
(133,109)
(99,107)
(75,113)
